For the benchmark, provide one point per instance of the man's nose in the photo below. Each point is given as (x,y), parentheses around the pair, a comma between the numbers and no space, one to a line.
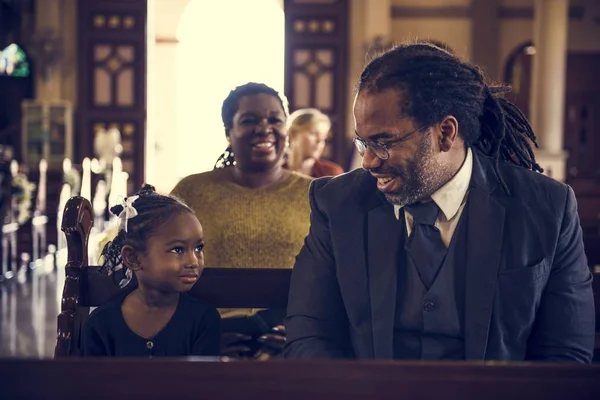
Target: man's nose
(370,160)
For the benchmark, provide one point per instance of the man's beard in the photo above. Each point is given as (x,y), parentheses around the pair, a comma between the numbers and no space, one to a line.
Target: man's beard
(422,177)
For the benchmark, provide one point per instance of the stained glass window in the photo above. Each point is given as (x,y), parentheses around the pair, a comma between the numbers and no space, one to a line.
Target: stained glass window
(14,62)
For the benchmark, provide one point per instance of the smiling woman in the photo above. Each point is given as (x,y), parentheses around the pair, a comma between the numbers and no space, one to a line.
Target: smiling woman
(255,214)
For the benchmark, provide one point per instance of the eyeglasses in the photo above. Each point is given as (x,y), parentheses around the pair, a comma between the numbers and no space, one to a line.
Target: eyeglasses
(382,150)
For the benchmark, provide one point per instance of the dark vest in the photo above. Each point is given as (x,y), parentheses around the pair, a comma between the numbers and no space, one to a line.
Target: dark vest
(429,324)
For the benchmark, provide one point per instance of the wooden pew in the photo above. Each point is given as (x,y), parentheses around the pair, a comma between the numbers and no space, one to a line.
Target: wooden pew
(315,380)
(70,187)
(591,241)
(86,179)
(100,205)
(10,227)
(39,221)
(6,202)
(85,287)
(33,236)
(596,288)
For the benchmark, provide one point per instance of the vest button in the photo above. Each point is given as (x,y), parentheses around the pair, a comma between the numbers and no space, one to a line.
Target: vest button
(428,306)
(150,345)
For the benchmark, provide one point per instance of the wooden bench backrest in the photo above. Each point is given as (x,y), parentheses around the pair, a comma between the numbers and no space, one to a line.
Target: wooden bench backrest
(122,379)
(591,244)
(596,289)
(223,287)
(86,287)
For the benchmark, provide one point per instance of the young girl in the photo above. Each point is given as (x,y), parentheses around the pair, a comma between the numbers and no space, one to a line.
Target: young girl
(160,241)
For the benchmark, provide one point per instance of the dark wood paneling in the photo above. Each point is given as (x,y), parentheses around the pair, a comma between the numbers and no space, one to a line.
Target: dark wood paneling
(112,23)
(582,131)
(310,27)
(582,123)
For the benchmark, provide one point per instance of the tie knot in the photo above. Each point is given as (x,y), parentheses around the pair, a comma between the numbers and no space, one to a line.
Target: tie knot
(424,213)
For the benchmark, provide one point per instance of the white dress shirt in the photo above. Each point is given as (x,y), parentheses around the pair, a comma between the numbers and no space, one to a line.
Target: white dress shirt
(450,198)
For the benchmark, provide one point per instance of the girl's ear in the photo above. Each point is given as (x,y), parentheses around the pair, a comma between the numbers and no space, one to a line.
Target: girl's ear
(131,258)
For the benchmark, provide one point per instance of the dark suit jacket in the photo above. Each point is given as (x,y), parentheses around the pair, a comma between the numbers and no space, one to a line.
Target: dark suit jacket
(528,286)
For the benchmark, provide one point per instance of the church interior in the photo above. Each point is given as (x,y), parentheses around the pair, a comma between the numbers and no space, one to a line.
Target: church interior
(99,97)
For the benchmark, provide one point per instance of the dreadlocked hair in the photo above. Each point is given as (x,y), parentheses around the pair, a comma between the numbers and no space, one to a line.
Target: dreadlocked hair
(230,107)
(153,211)
(435,83)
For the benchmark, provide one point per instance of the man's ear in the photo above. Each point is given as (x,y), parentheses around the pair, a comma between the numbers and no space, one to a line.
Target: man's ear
(449,130)
(131,258)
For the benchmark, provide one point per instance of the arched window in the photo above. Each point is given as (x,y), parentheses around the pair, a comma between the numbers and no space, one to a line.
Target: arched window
(512,67)
(518,74)
(222,44)
(14,62)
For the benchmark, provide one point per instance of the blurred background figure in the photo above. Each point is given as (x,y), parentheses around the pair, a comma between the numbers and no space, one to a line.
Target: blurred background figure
(307,132)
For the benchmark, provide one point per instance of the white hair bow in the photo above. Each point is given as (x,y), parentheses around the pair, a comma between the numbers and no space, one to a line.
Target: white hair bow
(128,212)
(127,276)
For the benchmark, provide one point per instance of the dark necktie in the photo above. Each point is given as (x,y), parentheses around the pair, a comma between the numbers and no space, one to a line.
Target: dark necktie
(425,246)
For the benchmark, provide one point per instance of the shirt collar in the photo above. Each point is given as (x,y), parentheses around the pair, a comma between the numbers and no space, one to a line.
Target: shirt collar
(450,196)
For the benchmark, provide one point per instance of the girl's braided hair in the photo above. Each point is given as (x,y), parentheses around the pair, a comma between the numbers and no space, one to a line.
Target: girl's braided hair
(153,210)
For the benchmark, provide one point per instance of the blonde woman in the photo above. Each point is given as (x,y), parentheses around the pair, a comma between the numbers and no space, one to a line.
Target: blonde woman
(308,130)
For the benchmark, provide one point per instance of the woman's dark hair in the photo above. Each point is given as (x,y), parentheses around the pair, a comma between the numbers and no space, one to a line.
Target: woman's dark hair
(230,107)
(153,211)
(435,83)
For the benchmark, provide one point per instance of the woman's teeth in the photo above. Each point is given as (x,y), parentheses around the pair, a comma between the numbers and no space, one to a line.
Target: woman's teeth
(383,181)
(263,145)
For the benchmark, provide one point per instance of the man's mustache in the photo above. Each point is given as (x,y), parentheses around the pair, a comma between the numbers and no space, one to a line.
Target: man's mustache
(387,171)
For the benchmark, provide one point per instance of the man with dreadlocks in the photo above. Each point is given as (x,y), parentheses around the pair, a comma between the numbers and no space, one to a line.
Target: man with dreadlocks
(448,244)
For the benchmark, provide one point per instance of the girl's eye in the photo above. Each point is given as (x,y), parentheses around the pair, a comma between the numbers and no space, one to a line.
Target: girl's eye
(199,248)
(275,120)
(177,250)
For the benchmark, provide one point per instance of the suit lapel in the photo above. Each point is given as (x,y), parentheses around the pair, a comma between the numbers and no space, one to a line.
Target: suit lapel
(485,232)
(384,234)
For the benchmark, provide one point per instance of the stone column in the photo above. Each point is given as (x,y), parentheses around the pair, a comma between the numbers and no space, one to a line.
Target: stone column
(371,24)
(547,103)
